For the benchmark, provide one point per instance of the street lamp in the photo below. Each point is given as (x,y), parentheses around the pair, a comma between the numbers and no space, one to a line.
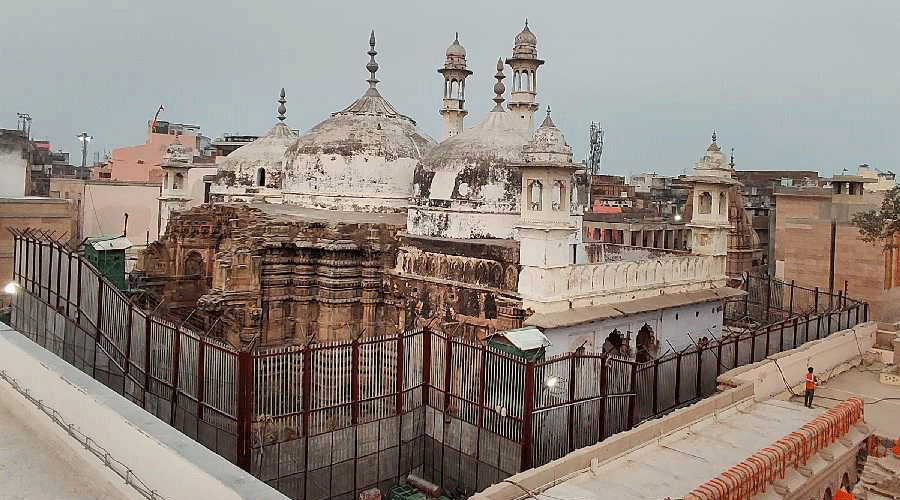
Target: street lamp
(85,139)
(11,288)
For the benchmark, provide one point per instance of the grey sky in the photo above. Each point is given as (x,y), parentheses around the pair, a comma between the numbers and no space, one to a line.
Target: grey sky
(789,84)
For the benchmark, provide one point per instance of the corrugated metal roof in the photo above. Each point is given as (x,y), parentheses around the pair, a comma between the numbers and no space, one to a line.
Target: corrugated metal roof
(115,243)
(601,312)
(525,339)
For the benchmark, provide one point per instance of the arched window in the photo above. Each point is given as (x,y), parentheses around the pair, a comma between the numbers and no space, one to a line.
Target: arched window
(167,180)
(179,181)
(260,176)
(193,264)
(723,204)
(827,495)
(646,344)
(535,193)
(559,195)
(454,89)
(704,203)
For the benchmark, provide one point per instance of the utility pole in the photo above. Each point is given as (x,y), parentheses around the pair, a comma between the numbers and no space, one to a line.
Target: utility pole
(85,139)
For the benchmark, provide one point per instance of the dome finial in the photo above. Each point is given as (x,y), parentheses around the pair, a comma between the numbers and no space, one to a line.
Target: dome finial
(372,66)
(714,137)
(499,88)
(548,122)
(731,163)
(457,37)
(281,109)
(526,22)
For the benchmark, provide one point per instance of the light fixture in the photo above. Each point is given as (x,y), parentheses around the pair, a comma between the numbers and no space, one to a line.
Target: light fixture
(677,218)
(551,381)
(11,288)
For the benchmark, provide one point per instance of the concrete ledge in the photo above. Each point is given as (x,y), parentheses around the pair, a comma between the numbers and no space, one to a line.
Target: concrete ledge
(828,356)
(617,445)
(166,460)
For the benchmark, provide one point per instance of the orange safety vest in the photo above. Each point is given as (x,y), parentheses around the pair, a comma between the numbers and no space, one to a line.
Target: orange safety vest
(842,495)
(810,382)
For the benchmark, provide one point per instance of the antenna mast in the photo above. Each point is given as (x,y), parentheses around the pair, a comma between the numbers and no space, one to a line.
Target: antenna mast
(596,140)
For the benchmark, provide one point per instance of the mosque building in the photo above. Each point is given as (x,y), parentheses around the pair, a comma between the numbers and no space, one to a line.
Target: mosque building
(364,225)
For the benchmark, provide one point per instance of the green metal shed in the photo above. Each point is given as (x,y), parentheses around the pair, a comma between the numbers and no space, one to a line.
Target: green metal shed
(107,254)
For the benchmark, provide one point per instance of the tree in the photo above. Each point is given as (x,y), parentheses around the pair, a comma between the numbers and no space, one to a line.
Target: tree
(881,225)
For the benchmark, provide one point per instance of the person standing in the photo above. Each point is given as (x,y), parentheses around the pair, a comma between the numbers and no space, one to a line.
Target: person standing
(810,387)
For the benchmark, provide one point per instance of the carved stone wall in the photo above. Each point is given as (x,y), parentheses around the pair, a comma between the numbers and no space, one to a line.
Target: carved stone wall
(271,279)
(466,288)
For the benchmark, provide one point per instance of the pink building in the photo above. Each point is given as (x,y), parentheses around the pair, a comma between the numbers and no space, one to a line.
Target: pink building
(142,163)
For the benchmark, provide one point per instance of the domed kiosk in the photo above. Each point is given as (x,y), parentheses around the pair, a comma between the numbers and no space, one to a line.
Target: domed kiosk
(254,171)
(361,158)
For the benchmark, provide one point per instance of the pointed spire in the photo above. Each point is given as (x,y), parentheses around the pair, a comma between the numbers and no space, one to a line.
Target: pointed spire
(714,137)
(457,37)
(499,88)
(281,109)
(548,122)
(372,66)
(526,22)
(731,163)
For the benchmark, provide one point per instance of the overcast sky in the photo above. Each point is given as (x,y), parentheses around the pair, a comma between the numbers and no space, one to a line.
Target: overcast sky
(789,84)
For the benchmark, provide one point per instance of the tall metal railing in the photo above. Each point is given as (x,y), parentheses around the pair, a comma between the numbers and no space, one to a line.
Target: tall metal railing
(327,420)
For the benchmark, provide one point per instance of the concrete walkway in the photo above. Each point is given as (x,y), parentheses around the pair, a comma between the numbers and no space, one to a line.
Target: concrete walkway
(37,462)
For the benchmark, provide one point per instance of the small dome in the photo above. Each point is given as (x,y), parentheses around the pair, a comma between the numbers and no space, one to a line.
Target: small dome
(548,145)
(456,49)
(714,162)
(267,152)
(526,37)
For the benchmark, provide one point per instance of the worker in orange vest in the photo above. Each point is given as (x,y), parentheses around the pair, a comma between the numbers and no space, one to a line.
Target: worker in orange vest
(810,387)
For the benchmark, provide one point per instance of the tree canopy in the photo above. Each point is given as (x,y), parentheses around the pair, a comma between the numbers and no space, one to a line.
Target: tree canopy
(881,225)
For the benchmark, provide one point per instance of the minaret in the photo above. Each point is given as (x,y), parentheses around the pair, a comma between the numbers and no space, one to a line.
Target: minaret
(175,196)
(524,64)
(713,184)
(454,73)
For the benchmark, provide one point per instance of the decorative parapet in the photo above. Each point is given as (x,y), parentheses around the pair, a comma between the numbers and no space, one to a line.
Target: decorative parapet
(554,289)
(753,475)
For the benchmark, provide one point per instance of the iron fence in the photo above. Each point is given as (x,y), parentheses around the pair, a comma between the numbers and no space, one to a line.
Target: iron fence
(331,420)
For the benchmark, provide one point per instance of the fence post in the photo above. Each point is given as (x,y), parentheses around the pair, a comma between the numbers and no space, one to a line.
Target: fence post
(97,326)
(737,343)
(15,263)
(528,417)
(781,336)
(718,358)
(791,304)
(245,409)
(768,296)
(818,326)
(857,313)
(448,373)
(176,358)
(571,407)
(128,319)
(400,356)
(307,402)
(40,270)
(78,294)
(699,372)
(201,375)
(426,365)
(816,303)
(768,335)
(147,327)
(796,325)
(603,392)
(655,386)
(481,387)
(828,332)
(677,383)
(865,311)
(354,381)
(68,283)
(632,398)
(58,273)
